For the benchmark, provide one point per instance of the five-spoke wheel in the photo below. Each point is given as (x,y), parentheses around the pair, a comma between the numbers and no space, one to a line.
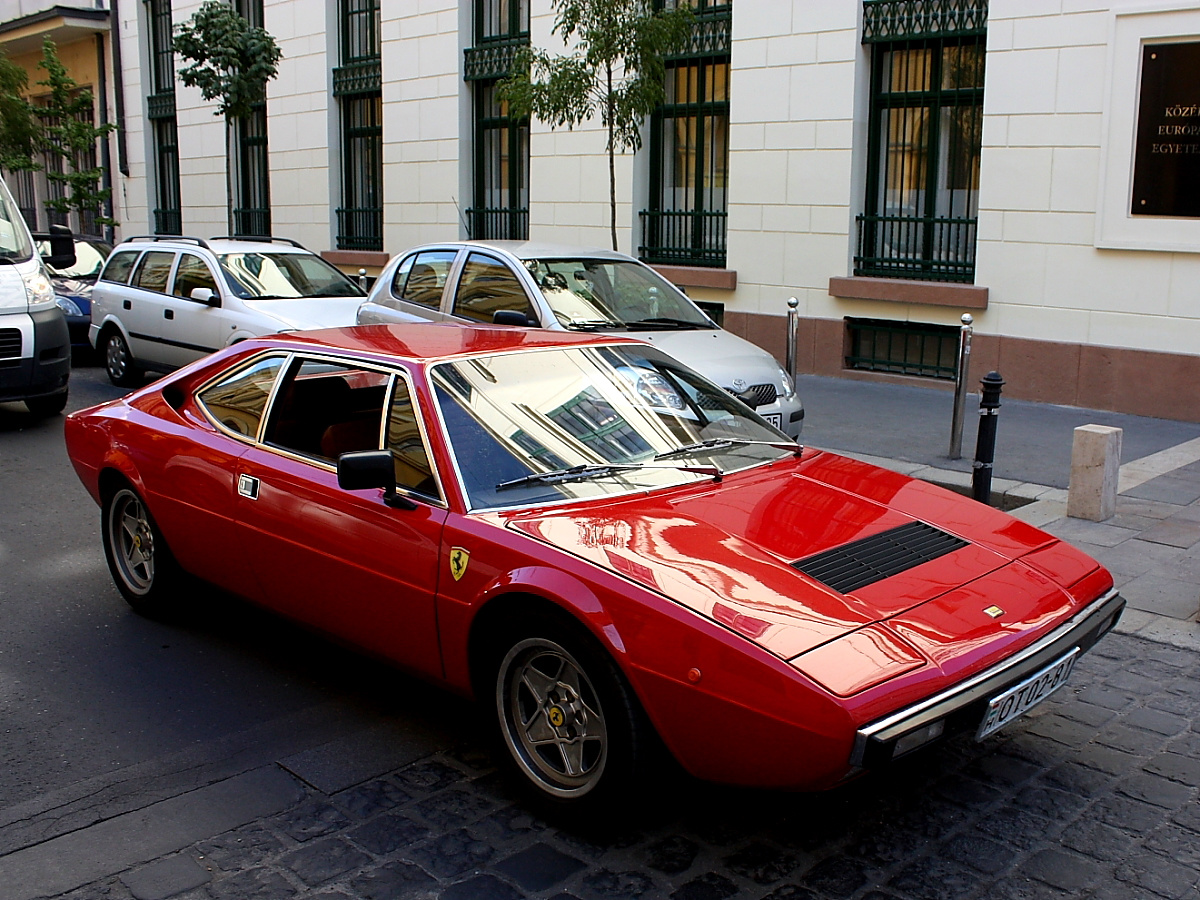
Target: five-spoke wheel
(141,564)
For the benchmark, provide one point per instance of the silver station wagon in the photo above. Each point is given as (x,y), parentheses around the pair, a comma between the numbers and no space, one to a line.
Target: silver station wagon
(573,289)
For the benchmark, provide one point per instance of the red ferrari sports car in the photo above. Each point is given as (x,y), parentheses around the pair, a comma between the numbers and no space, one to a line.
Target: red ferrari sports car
(595,541)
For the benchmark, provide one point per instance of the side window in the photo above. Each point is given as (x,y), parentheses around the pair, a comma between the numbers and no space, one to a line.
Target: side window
(237,401)
(421,278)
(119,266)
(153,271)
(413,470)
(326,409)
(486,287)
(193,272)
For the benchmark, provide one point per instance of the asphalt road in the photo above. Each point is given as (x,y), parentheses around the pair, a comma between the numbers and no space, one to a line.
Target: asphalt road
(99,705)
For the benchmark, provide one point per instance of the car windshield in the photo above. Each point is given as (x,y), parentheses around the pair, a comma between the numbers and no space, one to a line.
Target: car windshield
(89,259)
(600,293)
(14,236)
(591,422)
(272,275)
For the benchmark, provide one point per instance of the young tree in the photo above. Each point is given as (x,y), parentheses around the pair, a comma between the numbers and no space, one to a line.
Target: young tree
(616,68)
(68,133)
(18,125)
(232,60)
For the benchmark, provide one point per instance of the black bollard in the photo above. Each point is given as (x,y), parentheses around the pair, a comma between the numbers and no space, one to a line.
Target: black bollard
(985,445)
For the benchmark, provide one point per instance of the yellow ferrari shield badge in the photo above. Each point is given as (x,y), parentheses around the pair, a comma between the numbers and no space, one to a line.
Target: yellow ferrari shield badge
(458,562)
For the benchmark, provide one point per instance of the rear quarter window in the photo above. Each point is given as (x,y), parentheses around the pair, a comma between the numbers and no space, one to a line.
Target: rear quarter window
(119,265)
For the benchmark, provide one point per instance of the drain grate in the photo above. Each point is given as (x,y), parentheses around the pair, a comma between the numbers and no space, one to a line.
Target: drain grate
(859,563)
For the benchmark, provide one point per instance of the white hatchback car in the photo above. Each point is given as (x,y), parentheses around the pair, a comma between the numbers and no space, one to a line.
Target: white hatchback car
(165,300)
(573,289)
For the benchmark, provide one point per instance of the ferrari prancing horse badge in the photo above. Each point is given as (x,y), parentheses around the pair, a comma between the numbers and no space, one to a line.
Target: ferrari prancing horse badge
(458,562)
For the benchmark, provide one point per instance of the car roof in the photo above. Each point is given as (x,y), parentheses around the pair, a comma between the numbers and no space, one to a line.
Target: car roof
(533,249)
(219,246)
(434,340)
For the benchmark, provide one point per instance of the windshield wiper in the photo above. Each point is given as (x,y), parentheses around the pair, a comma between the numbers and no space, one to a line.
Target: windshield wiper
(593,325)
(584,471)
(725,443)
(666,322)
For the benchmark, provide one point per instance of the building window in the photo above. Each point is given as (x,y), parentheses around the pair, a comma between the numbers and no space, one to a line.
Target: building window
(160,110)
(685,222)
(250,175)
(924,140)
(903,348)
(500,199)
(358,87)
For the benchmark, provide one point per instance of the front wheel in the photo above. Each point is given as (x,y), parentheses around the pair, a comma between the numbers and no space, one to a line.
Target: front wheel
(118,361)
(569,721)
(141,564)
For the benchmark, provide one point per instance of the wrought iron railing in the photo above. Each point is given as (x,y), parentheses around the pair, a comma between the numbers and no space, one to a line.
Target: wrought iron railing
(252,221)
(498,224)
(160,105)
(358,77)
(924,247)
(493,58)
(903,348)
(905,20)
(360,228)
(168,221)
(690,237)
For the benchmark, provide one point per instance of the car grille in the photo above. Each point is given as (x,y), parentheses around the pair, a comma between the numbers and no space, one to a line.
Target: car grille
(859,563)
(758,394)
(10,343)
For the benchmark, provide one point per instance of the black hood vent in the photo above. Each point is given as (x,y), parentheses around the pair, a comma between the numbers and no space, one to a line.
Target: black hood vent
(857,564)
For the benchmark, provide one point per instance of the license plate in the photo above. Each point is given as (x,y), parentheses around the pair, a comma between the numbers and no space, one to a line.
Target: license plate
(1021,697)
(774,419)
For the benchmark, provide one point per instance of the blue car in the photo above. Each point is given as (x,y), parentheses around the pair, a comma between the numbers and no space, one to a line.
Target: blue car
(73,286)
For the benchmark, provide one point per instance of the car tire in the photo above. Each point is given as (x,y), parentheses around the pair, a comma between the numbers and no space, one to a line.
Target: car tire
(118,361)
(44,407)
(572,729)
(140,561)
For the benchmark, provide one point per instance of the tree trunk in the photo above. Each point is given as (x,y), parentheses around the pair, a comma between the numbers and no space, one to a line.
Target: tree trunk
(612,166)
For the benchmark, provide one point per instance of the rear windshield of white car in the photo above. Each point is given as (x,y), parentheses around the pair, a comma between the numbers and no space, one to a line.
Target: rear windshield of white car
(630,416)
(600,293)
(284,276)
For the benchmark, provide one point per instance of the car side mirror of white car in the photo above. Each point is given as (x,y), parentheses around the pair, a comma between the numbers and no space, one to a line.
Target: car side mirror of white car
(205,296)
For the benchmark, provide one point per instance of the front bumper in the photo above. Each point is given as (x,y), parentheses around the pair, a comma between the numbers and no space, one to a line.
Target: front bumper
(962,706)
(47,368)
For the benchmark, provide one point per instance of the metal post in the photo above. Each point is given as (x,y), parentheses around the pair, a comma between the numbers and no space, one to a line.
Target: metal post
(960,386)
(985,447)
(793,320)
(362,278)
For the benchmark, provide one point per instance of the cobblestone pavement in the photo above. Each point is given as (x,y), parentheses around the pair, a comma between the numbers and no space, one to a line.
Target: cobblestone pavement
(1093,795)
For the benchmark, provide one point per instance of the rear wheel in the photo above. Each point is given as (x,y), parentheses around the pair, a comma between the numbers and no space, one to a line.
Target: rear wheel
(142,566)
(118,361)
(571,726)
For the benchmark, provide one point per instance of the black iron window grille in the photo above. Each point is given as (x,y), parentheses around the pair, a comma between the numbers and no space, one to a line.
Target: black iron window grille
(924,139)
(358,86)
(903,348)
(689,153)
(501,19)
(360,220)
(251,176)
(160,109)
(501,207)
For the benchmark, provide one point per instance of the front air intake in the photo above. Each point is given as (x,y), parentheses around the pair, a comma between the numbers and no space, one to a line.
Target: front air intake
(857,564)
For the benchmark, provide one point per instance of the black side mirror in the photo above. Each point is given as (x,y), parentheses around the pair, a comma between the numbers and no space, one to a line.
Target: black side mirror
(365,469)
(513,317)
(62,247)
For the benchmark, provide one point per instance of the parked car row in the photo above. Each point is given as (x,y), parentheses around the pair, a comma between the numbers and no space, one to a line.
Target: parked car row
(160,302)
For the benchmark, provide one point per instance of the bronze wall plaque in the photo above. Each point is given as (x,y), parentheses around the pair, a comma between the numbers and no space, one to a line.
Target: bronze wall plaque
(1166,163)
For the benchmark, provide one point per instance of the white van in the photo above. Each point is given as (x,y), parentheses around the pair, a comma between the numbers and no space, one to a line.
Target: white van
(35,347)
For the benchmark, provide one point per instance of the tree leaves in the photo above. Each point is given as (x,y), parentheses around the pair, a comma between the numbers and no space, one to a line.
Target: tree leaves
(232,61)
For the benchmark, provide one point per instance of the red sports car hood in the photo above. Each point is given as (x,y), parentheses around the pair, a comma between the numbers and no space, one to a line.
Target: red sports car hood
(727,551)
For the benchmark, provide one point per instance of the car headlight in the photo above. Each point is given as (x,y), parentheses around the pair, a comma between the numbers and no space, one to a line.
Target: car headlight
(68,306)
(789,386)
(37,284)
